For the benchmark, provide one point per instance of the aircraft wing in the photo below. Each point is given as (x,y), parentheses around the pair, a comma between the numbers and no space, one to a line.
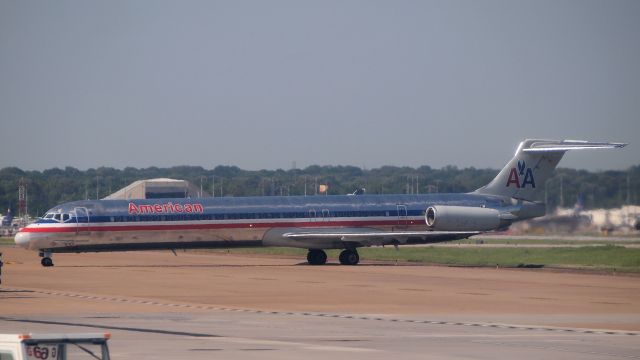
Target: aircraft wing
(366,237)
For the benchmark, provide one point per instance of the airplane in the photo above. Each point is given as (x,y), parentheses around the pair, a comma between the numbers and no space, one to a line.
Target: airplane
(315,223)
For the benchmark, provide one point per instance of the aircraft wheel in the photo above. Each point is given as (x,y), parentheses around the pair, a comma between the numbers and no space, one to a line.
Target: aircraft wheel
(317,257)
(46,261)
(349,257)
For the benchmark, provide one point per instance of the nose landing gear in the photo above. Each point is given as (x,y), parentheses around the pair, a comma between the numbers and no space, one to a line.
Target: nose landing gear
(46,258)
(46,262)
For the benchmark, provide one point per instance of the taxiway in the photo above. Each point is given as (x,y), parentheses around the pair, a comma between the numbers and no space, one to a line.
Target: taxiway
(202,305)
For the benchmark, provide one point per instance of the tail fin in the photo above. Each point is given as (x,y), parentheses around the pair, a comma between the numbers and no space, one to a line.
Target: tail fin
(533,164)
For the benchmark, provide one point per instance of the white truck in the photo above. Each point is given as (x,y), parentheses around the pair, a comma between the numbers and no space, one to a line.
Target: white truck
(54,346)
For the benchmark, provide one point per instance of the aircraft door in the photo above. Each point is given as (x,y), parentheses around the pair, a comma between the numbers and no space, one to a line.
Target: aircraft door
(82,221)
(402,216)
(312,215)
(326,215)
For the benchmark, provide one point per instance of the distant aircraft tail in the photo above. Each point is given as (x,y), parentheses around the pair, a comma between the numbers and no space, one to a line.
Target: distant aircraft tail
(533,164)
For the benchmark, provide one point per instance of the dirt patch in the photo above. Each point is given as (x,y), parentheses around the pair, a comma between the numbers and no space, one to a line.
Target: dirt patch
(286,284)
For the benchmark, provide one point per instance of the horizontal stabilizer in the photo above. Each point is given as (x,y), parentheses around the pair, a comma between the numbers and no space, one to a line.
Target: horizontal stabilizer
(565,145)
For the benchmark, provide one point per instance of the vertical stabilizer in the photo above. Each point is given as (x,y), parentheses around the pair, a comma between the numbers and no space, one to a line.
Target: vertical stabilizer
(533,164)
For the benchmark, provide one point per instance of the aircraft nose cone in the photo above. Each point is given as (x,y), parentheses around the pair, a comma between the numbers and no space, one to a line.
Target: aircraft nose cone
(22,239)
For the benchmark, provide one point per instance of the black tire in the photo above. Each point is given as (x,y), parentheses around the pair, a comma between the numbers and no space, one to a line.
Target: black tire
(349,257)
(46,262)
(343,257)
(317,257)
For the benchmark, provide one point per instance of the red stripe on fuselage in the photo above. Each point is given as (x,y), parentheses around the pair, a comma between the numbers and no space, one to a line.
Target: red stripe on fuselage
(75,228)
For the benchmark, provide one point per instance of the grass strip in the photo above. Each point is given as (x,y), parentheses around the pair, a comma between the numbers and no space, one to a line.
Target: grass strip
(544,241)
(606,258)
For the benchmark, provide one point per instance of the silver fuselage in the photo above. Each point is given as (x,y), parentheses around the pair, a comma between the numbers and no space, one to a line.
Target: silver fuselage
(112,225)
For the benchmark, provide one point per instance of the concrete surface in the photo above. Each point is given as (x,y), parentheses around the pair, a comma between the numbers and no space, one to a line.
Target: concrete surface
(195,306)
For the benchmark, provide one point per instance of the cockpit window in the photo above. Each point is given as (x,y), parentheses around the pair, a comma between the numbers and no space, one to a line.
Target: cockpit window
(60,217)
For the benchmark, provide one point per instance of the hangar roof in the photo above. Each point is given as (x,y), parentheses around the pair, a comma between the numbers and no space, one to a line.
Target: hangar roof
(157,188)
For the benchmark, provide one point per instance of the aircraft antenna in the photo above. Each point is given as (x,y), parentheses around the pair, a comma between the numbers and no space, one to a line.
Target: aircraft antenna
(22,199)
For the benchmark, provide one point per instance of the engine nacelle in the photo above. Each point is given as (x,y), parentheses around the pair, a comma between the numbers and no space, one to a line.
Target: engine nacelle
(462,218)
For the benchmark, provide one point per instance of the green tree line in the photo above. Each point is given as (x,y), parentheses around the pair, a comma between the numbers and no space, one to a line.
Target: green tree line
(45,189)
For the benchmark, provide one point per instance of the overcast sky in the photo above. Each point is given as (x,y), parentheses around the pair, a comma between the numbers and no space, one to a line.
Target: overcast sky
(261,84)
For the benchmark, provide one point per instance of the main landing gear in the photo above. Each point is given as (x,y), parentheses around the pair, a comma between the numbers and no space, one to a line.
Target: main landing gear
(316,257)
(46,258)
(319,257)
(349,257)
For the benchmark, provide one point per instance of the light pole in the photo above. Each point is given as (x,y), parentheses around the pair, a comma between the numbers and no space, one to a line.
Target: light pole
(561,193)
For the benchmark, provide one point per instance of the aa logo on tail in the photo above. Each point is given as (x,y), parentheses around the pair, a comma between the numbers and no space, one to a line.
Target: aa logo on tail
(521,177)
